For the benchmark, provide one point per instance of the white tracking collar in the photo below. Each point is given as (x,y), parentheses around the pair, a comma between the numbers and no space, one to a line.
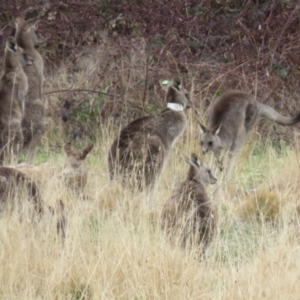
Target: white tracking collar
(175,106)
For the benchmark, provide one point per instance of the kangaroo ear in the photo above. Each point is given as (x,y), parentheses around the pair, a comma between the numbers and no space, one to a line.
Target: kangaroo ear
(195,160)
(216,129)
(176,84)
(31,23)
(86,151)
(187,159)
(11,44)
(202,128)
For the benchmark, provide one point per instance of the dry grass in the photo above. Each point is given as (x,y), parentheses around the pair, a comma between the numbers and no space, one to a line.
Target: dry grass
(114,247)
(261,204)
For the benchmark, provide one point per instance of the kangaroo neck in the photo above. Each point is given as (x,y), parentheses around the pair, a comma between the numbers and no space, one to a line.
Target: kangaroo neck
(24,41)
(223,139)
(175,106)
(173,113)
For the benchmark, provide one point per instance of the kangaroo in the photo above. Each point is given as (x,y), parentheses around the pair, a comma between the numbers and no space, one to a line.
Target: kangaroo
(231,117)
(75,171)
(13,88)
(33,123)
(12,179)
(142,147)
(12,182)
(189,214)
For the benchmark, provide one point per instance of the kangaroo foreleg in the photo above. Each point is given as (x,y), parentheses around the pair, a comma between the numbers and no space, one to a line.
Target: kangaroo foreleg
(219,160)
(231,160)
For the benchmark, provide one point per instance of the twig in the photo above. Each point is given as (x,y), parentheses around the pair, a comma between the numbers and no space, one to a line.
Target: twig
(91,91)
(78,90)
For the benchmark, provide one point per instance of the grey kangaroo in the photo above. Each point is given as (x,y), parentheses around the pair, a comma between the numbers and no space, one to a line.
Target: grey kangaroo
(13,88)
(75,172)
(33,123)
(189,217)
(142,147)
(231,117)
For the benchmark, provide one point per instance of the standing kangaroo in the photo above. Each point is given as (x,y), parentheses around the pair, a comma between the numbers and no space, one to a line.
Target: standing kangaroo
(189,214)
(13,88)
(143,146)
(33,124)
(231,117)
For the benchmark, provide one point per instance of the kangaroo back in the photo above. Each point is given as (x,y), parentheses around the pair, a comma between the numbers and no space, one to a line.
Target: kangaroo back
(229,108)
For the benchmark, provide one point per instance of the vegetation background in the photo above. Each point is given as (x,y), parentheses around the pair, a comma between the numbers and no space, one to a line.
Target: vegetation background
(103,64)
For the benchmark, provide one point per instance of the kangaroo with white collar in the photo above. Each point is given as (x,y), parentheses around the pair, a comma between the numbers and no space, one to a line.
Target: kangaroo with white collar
(231,117)
(143,146)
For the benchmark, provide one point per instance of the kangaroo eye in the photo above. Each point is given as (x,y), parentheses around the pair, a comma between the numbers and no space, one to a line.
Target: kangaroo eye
(210,144)
(201,143)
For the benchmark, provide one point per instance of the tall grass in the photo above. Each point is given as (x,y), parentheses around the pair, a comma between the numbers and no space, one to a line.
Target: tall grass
(114,247)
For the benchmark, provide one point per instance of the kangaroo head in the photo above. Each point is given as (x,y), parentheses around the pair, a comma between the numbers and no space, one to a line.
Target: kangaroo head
(27,34)
(209,139)
(75,158)
(198,171)
(15,56)
(177,94)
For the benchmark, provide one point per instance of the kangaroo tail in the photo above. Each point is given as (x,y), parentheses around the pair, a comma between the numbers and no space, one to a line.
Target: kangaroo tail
(269,113)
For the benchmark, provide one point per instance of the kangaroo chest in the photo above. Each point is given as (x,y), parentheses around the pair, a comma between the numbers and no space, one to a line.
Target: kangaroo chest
(173,125)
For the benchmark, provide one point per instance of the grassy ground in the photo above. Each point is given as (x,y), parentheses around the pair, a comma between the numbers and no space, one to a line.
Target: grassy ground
(114,248)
